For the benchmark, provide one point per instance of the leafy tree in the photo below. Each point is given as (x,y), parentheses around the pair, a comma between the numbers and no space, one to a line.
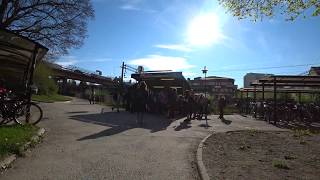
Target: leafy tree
(258,9)
(58,24)
(42,80)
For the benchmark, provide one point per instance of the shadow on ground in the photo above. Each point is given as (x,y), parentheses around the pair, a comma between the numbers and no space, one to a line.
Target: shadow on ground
(225,121)
(183,125)
(120,122)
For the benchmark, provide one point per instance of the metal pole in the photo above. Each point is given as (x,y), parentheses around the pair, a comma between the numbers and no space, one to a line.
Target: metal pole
(121,84)
(30,82)
(299,97)
(241,101)
(274,99)
(205,84)
(255,102)
(122,72)
(247,102)
(263,91)
(205,95)
(263,99)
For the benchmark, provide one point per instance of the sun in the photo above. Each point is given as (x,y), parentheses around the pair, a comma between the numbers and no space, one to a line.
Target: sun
(204,30)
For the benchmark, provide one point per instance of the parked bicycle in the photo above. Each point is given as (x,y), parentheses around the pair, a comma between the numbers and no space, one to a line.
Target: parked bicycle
(285,111)
(19,110)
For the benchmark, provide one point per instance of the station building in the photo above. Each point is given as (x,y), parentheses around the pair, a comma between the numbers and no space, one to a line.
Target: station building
(253,77)
(159,80)
(214,86)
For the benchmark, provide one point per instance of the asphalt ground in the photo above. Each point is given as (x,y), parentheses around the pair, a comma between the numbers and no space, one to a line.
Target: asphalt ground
(86,141)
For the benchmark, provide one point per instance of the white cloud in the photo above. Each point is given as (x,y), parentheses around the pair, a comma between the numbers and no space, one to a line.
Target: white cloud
(67,61)
(177,47)
(189,74)
(129,7)
(158,62)
(73,60)
(135,5)
(99,60)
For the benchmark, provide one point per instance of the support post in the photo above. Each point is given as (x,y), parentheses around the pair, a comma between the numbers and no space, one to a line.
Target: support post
(255,101)
(299,97)
(122,73)
(30,82)
(274,99)
(262,105)
(263,91)
(247,102)
(64,86)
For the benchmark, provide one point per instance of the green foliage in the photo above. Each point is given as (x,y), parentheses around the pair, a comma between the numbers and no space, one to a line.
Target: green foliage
(50,98)
(228,110)
(258,9)
(13,137)
(46,85)
(302,132)
(281,164)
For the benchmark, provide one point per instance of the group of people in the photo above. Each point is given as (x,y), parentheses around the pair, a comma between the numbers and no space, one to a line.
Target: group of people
(140,99)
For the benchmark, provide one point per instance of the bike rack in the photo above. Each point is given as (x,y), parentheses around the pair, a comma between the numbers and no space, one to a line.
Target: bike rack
(283,84)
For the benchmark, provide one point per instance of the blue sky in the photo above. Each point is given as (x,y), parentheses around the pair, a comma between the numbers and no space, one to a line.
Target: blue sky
(187,35)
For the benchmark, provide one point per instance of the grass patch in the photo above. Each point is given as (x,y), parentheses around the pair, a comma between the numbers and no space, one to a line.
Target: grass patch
(50,98)
(228,110)
(302,132)
(13,137)
(280,164)
(105,103)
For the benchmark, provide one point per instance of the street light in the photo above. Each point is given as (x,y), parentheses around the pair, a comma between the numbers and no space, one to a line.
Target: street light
(204,71)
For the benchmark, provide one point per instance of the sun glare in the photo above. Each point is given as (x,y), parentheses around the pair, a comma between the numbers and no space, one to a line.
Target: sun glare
(204,30)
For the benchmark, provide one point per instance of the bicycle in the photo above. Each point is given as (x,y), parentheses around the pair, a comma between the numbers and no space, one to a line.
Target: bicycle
(19,110)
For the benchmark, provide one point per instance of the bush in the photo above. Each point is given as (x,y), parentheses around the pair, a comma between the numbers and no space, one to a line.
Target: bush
(46,85)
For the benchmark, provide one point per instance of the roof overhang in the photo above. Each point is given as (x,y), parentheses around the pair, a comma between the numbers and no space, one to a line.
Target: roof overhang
(162,79)
(17,54)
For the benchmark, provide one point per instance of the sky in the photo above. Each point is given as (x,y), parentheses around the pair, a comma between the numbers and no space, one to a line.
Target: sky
(185,36)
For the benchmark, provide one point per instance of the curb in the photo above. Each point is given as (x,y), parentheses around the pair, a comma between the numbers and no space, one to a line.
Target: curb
(64,101)
(7,161)
(201,168)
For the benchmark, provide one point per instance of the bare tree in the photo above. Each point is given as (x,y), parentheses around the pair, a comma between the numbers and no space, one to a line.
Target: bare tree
(58,24)
(257,9)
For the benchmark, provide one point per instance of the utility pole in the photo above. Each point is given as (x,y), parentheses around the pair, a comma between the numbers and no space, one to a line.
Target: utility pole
(122,73)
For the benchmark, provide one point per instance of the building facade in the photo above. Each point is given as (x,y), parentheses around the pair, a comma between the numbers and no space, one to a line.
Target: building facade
(314,71)
(214,86)
(252,77)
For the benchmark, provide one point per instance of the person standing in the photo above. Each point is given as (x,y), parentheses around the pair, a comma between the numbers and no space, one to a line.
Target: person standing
(141,97)
(115,101)
(221,106)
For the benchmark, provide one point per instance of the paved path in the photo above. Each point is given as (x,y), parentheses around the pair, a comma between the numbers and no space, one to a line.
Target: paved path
(83,143)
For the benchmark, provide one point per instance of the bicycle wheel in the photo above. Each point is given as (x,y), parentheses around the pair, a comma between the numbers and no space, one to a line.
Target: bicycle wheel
(23,117)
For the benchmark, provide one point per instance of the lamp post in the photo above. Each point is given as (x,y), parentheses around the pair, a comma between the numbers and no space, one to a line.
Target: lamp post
(204,71)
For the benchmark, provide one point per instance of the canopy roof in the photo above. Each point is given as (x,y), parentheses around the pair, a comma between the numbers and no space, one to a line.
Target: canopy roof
(159,80)
(280,90)
(286,80)
(17,54)
(17,49)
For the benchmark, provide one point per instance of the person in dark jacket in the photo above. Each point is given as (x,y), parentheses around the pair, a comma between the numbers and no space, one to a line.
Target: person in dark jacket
(140,99)
(221,106)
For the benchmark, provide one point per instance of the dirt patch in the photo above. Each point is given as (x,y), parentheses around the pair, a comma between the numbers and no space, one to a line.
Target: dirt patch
(262,155)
